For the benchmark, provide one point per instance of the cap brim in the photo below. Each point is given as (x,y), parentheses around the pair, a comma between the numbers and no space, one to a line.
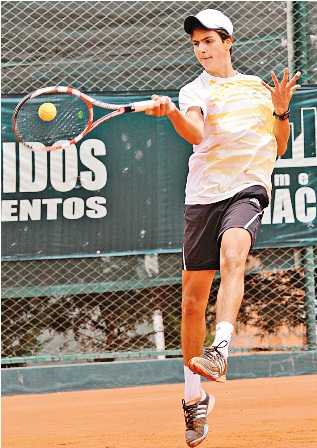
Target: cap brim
(189,24)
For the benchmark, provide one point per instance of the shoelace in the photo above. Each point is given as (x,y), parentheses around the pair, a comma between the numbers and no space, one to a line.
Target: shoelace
(190,414)
(213,351)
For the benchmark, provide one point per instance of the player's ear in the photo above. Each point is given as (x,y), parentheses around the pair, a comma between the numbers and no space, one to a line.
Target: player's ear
(228,42)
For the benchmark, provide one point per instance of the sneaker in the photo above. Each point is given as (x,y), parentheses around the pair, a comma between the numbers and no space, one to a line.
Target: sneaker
(211,364)
(196,420)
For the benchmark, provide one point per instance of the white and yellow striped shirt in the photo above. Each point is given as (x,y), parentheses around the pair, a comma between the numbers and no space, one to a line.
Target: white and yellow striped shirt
(239,148)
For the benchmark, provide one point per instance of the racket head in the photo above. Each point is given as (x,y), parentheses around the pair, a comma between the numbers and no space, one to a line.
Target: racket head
(73,119)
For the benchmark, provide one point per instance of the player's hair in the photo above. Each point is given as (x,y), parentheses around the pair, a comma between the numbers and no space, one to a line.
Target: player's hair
(222,33)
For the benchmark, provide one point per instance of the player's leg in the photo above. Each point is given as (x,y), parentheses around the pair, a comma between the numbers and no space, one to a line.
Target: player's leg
(197,404)
(200,260)
(195,294)
(235,246)
(240,223)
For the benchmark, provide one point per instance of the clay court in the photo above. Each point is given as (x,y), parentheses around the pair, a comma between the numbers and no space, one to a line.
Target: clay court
(254,413)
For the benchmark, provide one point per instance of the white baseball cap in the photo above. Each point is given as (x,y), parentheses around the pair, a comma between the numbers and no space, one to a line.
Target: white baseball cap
(210,19)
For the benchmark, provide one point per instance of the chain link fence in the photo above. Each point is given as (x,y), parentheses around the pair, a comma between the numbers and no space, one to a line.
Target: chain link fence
(141,45)
(105,308)
(126,307)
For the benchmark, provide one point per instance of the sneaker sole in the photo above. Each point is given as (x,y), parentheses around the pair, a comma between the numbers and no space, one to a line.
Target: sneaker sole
(201,369)
(211,404)
(202,438)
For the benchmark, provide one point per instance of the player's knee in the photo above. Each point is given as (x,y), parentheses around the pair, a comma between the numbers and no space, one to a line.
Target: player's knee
(232,259)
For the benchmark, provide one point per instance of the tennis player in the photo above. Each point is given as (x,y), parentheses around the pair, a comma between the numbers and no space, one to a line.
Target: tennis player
(238,125)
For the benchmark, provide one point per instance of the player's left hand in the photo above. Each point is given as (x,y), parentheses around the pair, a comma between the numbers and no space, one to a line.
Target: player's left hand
(283,91)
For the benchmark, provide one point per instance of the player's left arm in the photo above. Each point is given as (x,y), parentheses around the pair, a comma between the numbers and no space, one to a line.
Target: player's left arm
(281,94)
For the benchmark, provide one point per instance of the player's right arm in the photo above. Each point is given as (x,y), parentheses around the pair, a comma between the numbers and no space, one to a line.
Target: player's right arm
(189,126)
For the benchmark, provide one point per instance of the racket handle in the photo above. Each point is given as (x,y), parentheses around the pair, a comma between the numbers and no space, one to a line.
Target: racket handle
(141,106)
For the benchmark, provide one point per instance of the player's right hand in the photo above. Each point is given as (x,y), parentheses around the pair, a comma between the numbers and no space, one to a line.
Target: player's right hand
(163,106)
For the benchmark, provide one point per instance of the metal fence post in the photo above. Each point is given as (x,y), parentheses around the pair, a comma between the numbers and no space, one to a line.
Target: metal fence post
(309,266)
(300,38)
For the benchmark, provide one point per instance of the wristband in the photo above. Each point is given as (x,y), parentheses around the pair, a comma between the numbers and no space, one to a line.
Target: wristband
(284,116)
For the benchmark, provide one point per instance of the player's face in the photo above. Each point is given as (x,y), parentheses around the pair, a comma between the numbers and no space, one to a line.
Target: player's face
(210,50)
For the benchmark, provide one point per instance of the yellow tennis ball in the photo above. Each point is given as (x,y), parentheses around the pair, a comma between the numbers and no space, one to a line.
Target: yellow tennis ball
(47,111)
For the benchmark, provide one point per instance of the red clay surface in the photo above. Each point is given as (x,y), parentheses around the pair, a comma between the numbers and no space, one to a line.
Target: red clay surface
(249,413)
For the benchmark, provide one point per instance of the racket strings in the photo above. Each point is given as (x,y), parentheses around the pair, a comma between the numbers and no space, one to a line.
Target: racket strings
(71,120)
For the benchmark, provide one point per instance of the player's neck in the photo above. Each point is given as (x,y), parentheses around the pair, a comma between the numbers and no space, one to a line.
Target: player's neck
(223,72)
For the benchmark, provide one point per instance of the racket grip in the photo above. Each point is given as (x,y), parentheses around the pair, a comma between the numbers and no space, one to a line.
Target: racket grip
(141,106)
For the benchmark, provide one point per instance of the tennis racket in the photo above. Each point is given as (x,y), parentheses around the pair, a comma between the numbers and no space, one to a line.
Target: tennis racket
(73,117)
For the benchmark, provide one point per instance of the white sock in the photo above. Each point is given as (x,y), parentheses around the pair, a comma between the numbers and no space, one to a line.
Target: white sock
(193,390)
(223,333)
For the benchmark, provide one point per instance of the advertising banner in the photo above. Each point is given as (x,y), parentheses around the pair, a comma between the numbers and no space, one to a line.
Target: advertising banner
(121,189)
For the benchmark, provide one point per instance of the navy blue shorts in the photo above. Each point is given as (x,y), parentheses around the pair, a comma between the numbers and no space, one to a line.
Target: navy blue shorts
(206,223)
